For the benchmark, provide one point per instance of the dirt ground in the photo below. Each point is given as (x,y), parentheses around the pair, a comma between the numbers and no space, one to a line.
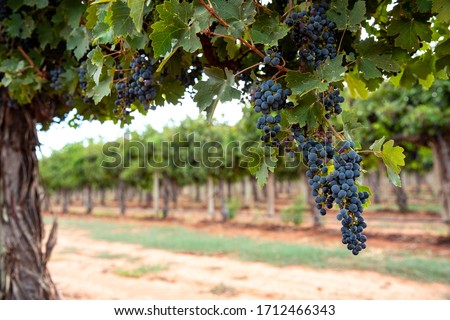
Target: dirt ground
(88,269)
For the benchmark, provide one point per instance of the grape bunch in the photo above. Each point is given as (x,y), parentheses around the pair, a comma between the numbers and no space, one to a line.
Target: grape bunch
(269,98)
(138,85)
(272,58)
(55,78)
(331,100)
(314,34)
(347,170)
(338,186)
(82,84)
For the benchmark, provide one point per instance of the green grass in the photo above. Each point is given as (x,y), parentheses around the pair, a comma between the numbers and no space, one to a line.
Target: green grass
(411,207)
(421,268)
(109,255)
(141,270)
(223,290)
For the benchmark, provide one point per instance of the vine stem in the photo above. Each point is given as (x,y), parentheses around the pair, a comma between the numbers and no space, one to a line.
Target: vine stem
(27,57)
(214,13)
(248,68)
(340,136)
(242,40)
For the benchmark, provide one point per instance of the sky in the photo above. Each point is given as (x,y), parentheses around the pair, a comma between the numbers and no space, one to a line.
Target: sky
(61,134)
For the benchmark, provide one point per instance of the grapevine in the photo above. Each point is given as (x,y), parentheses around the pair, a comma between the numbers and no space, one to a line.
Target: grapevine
(137,85)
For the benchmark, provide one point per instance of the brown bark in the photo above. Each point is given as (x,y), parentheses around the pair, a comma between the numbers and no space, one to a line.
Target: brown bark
(102,196)
(441,157)
(270,187)
(166,195)
(224,212)
(65,201)
(89,205)
(23,260)
(121,193)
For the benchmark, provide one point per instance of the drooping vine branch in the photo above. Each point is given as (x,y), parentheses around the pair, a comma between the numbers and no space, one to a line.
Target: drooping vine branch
(27,57)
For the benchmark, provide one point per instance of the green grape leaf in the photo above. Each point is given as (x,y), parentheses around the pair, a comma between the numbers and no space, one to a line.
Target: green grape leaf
(91,16)
(96,63)
(442,8)
(332,70)
(376,146)
(78,41)
(137,12)
(443,48)
(350,124)
(356,86)
(218,87)
(103,88)
(308,112)
(236,13)
(408,33)
(346,18)
(393,158)
(47,35)
(268,30)
(262,175)
(120,20)
(423,5)
(178,26)
(372,57)
(102,32)
(74,11)
(268,163)
(302,83)
(170,90)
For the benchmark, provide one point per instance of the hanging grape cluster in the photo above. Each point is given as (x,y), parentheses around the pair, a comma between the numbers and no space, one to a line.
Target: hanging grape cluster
(55,78)
(332,176)
(273,58)
(135,84)
(331,100)
(314,34)
(82,84)
(269,98)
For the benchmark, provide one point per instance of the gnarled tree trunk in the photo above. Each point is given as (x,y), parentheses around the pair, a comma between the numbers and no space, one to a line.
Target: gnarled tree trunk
(441,157)
(88,200)
(270,187)
(23,262)
(121,192)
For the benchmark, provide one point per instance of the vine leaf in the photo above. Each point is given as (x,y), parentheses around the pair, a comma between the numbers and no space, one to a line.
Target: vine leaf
(103,88)
(356,86)
(96,64)
(393,158)
(218,87)
(178,26)
(302,83)
(78,40)
(372,57)
(236,13)
(137,12)
(309,112)
(442,8)
(408,33)
(121,21)
(350,124)
(346,18)
(332,70)
(267,164)
(267,30)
